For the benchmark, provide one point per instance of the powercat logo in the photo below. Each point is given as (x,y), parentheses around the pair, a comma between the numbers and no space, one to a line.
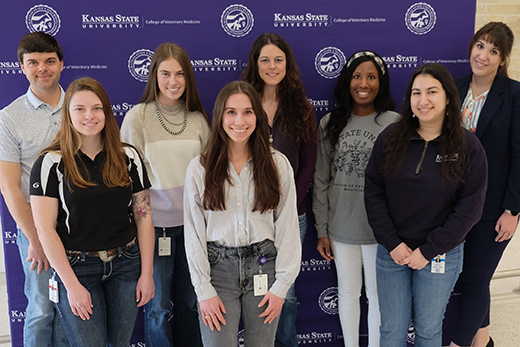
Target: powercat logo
(43,18)
(237,20)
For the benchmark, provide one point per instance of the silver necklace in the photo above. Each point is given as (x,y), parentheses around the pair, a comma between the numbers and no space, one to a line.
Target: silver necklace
(161,120)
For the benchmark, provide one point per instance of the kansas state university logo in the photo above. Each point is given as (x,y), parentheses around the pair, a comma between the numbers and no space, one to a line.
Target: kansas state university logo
(237,20)
(329,62)
(139,64)
(43,18)
(328,300)
(420,18)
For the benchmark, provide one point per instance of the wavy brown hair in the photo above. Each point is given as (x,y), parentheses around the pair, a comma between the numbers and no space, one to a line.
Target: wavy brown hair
(499,35)
(452,138)
(215,157)
(67,141)
(191,95)
(297,119)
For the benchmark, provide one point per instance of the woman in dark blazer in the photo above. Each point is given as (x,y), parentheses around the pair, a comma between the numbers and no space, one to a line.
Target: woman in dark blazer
(491,109)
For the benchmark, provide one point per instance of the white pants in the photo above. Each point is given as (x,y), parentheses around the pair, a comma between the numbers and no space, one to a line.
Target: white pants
(350,261)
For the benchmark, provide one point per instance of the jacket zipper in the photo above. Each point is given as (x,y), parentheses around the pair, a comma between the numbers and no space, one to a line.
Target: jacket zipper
(422,158)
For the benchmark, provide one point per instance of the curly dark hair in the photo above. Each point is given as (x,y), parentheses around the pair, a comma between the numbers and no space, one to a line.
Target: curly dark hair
(340,115)
(297,118)
(452,137)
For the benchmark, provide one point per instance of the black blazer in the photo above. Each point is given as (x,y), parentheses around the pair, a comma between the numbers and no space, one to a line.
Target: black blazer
(498,129)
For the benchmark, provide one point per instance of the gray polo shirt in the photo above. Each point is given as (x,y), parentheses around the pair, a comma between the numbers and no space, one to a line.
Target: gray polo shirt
(27,126)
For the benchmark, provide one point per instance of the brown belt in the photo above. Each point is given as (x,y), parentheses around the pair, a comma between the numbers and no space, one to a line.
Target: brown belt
(106,255)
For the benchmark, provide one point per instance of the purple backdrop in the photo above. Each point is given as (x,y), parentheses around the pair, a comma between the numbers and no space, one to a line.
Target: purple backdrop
(113,41)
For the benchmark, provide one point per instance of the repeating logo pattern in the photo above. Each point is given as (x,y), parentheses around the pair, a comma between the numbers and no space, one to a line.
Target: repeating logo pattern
(139,64)
(43,18)
(328,300)
(420,18)
(237,20)
(329,62)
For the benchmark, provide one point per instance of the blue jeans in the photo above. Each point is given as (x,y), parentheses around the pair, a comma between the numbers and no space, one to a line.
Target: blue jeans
(42,324)
(286,333)
(418,296)
(158,312)
(112,288)
(232,271)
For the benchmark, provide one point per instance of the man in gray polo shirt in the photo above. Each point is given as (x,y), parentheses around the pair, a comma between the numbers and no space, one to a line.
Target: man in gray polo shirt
(27,126)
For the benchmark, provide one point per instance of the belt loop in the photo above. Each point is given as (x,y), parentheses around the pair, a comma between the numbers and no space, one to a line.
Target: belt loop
(83,256)
(119,251)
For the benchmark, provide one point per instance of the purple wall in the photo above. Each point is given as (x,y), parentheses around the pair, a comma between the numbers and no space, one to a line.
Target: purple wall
(113,41)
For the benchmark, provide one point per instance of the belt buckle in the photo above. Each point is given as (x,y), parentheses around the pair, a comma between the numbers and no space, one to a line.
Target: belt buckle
(103,255)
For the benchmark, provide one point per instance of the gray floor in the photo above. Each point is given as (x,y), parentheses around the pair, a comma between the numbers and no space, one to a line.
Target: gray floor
(505,301)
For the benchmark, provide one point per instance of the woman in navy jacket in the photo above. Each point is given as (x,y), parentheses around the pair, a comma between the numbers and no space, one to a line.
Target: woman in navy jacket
(491,108)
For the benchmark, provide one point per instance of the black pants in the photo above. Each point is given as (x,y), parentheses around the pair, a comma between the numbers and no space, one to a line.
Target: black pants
(481,257)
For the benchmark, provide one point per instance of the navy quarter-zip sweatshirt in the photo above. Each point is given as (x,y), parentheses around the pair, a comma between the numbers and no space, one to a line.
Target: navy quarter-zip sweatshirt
(414,206)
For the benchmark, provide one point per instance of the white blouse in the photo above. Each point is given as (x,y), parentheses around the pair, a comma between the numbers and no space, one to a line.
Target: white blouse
(239,226)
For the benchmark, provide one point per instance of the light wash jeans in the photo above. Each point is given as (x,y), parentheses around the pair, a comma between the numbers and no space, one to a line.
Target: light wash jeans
(419,296)
(112,288)
(167,271)
(286,333)
(232,271)
(352,261)
(42,323)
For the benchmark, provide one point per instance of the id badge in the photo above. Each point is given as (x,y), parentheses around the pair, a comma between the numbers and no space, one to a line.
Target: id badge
(439,264)
(53,290)
(260,284)
(165,247)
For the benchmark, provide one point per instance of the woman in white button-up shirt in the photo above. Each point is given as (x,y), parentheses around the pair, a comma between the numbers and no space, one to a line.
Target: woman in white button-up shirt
(240,223)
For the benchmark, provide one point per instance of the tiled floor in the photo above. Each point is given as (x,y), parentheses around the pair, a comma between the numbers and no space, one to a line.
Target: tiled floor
(505,301)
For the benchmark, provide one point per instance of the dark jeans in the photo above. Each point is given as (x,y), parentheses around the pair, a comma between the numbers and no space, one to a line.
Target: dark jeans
(112,290)
(168,270)
(286,333)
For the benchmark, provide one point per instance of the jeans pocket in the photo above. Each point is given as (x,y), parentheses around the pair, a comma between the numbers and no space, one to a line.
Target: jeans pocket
(132,253)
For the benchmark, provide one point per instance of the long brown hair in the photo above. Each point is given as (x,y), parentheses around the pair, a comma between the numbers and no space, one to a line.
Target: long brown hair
(191,95)
(452,138)
(215,157)
(499,35)
(67,141)
(297,118)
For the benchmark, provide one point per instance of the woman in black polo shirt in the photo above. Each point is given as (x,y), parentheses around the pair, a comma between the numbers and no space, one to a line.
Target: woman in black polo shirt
(91,204)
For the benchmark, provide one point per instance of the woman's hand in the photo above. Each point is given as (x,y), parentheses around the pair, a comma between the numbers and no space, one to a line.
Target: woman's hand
(323,247)
(212,311)
(273,308)
(80,301)
(506,227)
(145,290)
(400,253)
(416,260)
